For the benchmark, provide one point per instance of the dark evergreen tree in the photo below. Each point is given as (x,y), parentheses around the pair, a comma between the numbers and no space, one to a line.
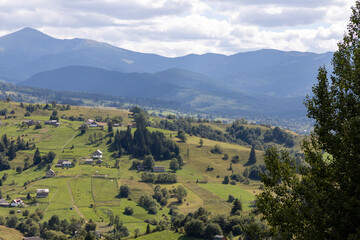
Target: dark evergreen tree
(5,141)
(110,127)
(252,157)
(236,208)
(37,157)
(12,151)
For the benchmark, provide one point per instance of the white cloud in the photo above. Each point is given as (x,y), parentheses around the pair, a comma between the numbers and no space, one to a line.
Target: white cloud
(179,27)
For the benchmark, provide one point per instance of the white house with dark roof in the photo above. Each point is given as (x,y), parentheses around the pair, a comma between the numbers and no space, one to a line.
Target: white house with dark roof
(16,202)
(97,154)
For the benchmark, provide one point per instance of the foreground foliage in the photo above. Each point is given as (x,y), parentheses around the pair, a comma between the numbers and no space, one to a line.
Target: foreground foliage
(324,201)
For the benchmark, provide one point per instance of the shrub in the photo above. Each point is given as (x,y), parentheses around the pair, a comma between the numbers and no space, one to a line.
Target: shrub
(235,159)
(231,198)
(124,191)
(129,211)
(217,149)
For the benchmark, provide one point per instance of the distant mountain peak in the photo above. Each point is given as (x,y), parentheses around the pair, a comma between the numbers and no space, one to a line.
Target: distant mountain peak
(28,33)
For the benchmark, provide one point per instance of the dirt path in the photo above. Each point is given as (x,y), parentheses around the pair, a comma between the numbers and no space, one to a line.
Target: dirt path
(62,148)
(50,200)
(73,202)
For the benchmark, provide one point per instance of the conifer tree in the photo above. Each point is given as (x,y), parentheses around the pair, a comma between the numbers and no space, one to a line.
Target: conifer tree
(37,157)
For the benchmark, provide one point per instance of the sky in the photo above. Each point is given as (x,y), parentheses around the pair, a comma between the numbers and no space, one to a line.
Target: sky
(179,27)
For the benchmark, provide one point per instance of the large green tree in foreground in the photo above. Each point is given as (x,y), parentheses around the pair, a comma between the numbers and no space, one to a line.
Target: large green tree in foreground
(321,200)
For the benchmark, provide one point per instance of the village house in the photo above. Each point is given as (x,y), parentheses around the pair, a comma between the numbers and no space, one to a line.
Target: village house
(99,161)
(53,123)
(66,164)
(219,237)
(140,168)
(63,163)
(50,173)
(97,154)
(42,193)
(32,238)
(88,161)
(90,121)
(28,122)
(3,203)
(59,163)
(16,202)
(158,169)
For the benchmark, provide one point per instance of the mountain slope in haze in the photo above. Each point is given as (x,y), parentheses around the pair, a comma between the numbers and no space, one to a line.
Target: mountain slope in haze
(190,89)
(267,72)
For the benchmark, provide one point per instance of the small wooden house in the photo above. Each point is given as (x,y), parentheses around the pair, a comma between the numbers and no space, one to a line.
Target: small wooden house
(158,169)
(50,173)
(53,123)
(42,193)
(3,203)
(88,161)
(28,122)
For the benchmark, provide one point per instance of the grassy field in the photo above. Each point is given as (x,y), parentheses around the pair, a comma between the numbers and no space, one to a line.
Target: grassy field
(10,234)
(89,191)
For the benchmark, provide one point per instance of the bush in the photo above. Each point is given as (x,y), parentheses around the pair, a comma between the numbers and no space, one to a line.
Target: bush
(217,149)
(235,159)
(124,191)
(129,211)
(226,180)
(231,198)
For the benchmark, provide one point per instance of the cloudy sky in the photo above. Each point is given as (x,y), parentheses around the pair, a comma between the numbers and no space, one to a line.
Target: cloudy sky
(180,27)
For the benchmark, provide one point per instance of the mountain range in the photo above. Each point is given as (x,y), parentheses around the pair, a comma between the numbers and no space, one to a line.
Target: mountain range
(257,83)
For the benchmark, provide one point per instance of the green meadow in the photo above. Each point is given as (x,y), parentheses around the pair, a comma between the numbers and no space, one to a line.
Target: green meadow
(89,191)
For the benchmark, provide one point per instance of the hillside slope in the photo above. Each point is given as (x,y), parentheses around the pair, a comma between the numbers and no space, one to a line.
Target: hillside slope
(192,90)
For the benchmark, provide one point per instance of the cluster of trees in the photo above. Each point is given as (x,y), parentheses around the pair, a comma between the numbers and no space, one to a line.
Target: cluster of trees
(177,163)
(144,142)
(148,203)
(120,230)
(33,225)
(202,224)
(255,138)
(217,149)
(159,178)
(161,195)
(203,131)
(236,133)
(8,149)
(279,136)
(46,159)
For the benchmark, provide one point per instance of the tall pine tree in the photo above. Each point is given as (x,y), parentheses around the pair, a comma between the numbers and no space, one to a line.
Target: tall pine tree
(37,157)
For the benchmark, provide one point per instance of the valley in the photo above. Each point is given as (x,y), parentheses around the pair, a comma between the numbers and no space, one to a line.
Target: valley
(89,191)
